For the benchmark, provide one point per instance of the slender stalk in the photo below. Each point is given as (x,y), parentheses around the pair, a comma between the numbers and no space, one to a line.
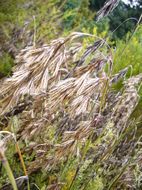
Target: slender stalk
(104,93)
(134,31)
(8,169)
(23,164)
(19,153)
(21,159)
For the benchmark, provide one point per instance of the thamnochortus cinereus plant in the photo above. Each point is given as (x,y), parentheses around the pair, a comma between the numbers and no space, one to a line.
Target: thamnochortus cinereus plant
(81,130)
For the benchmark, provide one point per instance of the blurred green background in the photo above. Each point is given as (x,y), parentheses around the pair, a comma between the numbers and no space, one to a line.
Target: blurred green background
(49,19)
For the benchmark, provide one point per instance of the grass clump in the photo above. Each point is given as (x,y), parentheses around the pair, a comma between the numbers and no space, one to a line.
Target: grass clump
(74,129)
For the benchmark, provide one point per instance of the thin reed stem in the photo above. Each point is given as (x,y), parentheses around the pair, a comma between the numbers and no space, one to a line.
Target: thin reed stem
(8,169)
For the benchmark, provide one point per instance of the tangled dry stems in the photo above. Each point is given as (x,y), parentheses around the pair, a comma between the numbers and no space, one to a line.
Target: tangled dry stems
(72,96)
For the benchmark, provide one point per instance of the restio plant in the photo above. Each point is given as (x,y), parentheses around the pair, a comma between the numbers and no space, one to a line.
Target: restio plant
(73,128)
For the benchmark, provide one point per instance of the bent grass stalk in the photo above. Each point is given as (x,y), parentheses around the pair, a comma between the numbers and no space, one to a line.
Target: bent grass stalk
(7,168)
(127,43)
(23,164)
(19,153)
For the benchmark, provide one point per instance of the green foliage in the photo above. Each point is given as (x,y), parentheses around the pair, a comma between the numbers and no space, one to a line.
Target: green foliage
(77,15)
(6,63)
(19,28)
(132,54)
(54,18)
(96,184)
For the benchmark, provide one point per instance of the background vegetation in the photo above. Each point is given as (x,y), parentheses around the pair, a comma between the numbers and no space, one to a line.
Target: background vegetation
(56,18)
